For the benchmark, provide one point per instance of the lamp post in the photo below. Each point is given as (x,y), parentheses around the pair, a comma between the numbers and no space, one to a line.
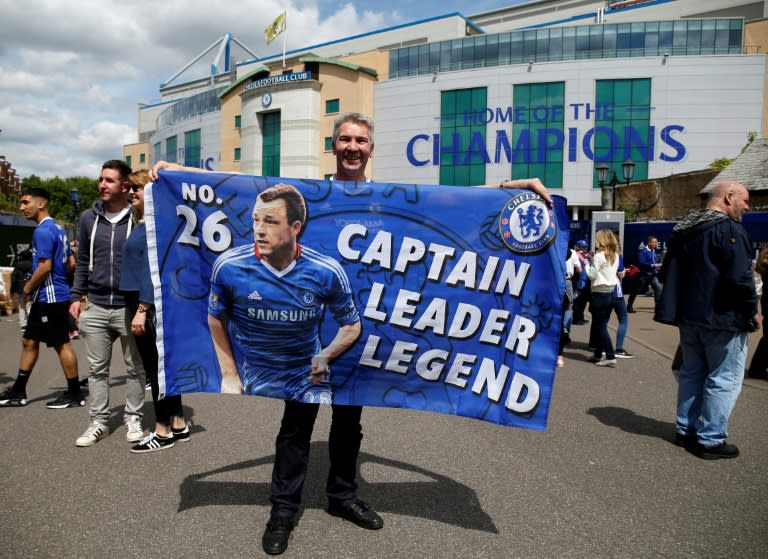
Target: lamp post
(627,169)
(602,174)
(74,196)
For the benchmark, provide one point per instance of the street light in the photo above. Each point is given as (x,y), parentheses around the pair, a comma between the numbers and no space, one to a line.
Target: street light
(74,197)
(627,169)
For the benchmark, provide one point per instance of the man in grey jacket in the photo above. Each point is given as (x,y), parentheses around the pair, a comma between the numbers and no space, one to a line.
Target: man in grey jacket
(100,307)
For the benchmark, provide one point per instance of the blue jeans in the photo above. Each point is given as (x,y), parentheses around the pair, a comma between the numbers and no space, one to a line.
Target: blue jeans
(709,382)
(620,308)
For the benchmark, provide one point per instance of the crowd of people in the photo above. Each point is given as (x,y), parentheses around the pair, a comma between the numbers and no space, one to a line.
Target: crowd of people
(107,288)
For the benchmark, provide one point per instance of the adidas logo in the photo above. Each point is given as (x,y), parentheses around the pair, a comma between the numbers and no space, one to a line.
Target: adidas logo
(254,296)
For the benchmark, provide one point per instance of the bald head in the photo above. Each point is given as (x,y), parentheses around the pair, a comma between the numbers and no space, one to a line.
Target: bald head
(729,197)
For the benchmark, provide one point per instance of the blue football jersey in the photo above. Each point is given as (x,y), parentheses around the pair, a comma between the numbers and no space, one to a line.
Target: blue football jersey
(49,242)
(272,316)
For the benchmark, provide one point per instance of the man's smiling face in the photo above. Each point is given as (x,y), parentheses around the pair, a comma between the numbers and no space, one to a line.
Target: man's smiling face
(352,149)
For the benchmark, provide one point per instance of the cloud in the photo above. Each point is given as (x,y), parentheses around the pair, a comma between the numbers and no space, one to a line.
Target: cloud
(73,72)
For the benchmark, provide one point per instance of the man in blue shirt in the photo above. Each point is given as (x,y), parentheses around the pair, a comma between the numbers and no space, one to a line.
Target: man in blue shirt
(48,289)
(648,276)
(271,296)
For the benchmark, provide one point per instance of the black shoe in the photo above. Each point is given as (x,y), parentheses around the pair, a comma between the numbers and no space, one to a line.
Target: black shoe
(359,513)
(66,400)
(12,398)
(84,384)
(623,354)
(686,441)
(722,450)
(630,309)
(275,538)
(181,435)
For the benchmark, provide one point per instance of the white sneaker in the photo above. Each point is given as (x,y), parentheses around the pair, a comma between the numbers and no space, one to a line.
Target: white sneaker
(134,432)
(95,432)
(606,363)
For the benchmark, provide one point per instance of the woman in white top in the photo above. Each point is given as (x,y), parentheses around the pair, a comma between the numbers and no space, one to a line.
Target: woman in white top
(602,274)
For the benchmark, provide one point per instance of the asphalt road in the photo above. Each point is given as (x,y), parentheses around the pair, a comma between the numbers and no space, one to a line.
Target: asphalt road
(603,481)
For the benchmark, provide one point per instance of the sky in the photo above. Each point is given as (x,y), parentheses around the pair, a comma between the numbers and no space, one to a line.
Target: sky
(73,73)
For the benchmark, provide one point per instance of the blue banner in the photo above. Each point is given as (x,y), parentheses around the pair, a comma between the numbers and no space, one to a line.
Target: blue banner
(458,289)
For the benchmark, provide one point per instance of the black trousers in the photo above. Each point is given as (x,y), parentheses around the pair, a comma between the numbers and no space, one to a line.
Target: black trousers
(170,405)
(292,456)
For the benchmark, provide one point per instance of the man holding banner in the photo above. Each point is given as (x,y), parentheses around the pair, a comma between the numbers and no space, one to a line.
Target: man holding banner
(280,257)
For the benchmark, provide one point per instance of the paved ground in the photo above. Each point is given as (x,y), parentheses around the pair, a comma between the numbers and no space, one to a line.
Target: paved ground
(603,481)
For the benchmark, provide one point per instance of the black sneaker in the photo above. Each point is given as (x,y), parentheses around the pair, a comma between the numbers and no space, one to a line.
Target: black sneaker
(359,513)
(181,435)
(66,400)
(84,384)
(153,442)
(11,398)
(722,450)
(275,538)
(623,354)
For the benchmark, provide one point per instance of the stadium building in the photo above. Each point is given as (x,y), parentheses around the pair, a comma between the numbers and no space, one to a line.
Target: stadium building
(551,88)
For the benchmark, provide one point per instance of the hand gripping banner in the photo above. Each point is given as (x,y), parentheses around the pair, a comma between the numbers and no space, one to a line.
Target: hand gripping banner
(456,291)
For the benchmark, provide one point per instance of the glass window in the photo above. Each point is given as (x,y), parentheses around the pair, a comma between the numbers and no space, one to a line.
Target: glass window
(170,149)
(569,43)
(540,107)
(722,36)
(735,36)
(529,45)
(270,146)
(192,148)
(708,37)
(637,39)
(331,106)
(693,40)
(629,126)
(462,136)
(434,57)
(504,48)
(328,143)
(142,158)
(542,44)
(516,48)
(237,154)
(582,42)
(595,41)
(665,36)
(238,121)
(610,40)
(556,44)
(128,160)
(156,152)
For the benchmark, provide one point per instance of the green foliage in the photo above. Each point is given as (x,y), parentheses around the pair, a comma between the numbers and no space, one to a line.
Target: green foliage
(720,163)
(61,206)
(723,162)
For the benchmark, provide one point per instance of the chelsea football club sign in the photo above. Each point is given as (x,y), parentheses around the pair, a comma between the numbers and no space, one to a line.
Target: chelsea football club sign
(527,225)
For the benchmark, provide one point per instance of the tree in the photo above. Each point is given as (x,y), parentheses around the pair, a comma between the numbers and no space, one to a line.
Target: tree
(61,206)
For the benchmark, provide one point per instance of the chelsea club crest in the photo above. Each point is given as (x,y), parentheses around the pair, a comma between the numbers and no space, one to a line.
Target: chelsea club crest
(526,224)
(308,298)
